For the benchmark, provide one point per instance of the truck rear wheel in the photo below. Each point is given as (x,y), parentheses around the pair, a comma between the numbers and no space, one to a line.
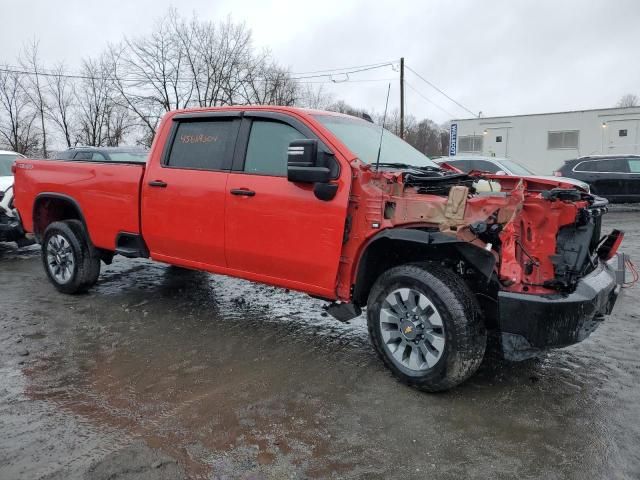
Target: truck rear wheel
(425,325)
(69,259)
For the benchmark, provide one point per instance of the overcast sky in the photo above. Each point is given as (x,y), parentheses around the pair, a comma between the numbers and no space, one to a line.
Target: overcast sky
(500,57)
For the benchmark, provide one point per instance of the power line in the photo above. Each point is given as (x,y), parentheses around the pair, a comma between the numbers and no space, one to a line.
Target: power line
(379,64)
(363,69)
(428,100)
(50,73)
(439,90)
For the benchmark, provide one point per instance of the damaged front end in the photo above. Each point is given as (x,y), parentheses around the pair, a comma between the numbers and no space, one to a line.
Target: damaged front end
(554,276)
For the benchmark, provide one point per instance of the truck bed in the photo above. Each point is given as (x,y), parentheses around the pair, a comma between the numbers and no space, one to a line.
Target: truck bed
(107,194)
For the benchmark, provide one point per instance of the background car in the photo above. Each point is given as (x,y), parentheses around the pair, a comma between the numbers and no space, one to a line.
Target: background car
(6,161)
(614,177)
(503,166)
(105,154)
(10,227)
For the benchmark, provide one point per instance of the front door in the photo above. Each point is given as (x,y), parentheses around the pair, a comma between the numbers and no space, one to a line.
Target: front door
(496,142)
(184,193)
(277,231)
(623,137)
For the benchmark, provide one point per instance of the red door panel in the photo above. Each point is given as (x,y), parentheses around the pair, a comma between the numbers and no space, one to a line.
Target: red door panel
(283,232)
(184,194)
(185,219)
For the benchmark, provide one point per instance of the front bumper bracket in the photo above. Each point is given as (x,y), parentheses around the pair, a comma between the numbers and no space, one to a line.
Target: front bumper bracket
(530,324)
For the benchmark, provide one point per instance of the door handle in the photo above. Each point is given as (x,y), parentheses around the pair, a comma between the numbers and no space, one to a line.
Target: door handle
(158,183)
(243,191)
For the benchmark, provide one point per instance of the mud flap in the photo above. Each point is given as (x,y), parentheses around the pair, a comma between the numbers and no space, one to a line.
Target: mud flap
(343,312)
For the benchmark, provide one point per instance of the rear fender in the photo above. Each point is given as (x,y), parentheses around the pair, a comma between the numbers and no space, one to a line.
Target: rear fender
(50,207)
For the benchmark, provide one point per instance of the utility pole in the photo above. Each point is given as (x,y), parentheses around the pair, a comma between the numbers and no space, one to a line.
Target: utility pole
(402,97)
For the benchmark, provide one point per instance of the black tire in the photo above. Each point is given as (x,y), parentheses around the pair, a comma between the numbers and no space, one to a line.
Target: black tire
(92,259)
(464,333)
(83,272)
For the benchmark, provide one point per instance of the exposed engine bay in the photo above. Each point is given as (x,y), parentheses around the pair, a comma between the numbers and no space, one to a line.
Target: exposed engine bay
(543,234)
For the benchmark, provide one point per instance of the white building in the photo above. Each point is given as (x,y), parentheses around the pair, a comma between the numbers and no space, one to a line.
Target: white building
(543,141)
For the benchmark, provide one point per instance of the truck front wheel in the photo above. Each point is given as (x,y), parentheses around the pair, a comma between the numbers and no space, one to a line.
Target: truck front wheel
(426,326)
(69,259)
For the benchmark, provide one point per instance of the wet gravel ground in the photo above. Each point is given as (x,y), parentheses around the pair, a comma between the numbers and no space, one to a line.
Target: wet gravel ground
(162,373)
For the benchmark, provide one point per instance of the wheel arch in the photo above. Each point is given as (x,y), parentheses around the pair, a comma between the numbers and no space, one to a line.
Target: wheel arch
(397,246)
(50,207)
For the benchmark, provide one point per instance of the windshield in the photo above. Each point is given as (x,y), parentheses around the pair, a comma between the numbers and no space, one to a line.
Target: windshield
(6,160)
(363,139)
(516,168)
(128,156)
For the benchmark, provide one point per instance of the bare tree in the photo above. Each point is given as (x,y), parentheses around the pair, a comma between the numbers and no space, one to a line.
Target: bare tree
(156,66)
(194,63)
(220,59)
(343,107)
(16,115)
(118,123)
(426,137)
(628,100)
(146,111)
(316,98)
(33,86)
(103,118)
(61,95)
(269,84)
(151,75)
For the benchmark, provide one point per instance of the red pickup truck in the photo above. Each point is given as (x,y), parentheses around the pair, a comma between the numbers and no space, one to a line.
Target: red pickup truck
(330,205)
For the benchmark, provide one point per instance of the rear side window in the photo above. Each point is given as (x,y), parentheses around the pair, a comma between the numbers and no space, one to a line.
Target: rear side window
(610,165)
(634,165)
(268,145)
(460,165)
(83,156)
(484,166)
(203,145)
(66,155)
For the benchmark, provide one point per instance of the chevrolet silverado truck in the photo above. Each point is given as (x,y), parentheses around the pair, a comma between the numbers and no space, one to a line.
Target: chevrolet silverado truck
(341,209)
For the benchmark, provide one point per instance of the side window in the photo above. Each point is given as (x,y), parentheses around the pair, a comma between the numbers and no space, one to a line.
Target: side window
(98,157)
(83,156)
(203,144)
(615,165)
(268,145)
(634,165)
(484,166)
(66,155)
(460,165)
(586,167)
(618,165)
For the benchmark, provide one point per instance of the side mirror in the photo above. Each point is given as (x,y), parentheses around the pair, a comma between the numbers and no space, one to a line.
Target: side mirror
(304,164)
(501,172)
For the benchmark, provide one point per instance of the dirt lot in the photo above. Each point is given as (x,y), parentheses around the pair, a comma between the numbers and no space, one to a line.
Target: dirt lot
(160,373)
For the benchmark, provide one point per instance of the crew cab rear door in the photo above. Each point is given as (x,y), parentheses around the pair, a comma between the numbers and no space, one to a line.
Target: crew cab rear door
(184,192)
(277,231)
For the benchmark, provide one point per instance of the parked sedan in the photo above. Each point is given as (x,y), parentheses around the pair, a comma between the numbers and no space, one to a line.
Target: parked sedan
(615,177)
(503,166)
(105,154)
